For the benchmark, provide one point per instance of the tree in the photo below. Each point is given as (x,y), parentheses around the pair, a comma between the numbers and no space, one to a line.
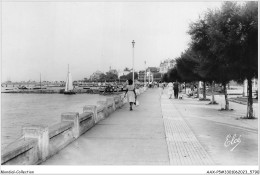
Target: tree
(165,78)
(215,33)
(236,36)
(123,78)
(227,41)
(111,76)
(201,46)
(126,69)
(102,77)
(206,70)
(173,75)
(187,66)
(129,76)
(247,62)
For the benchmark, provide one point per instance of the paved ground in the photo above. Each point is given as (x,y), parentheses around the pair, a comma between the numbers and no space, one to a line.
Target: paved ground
(166,132)
(211,127)
(124,138)
(184,148)
(242,100)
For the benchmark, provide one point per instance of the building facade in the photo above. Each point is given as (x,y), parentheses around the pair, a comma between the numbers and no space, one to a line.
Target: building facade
(149,75)
(166,65)
(141,76)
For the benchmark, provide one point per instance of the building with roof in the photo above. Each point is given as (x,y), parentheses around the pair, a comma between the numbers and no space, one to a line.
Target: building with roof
(150,74)
(166,65)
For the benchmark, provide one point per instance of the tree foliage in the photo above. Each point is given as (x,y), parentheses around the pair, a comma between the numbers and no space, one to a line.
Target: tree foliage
(187,67)
(226,42)
(165,78)
(111,76)
(247,52)
(173,75)
(129,76)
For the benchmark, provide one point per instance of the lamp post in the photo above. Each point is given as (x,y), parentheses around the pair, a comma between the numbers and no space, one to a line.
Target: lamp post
(144,73)
(133,43)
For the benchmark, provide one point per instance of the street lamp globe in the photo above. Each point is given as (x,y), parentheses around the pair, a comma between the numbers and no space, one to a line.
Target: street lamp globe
(133,42)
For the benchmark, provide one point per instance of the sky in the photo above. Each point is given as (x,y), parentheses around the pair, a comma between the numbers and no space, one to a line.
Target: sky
(44,37)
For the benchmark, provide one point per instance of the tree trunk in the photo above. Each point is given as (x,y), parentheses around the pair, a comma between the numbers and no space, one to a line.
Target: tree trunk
(249,114)
(245,88)
(198,90)
(204,90)
(212,92)
(226,97)
(185,86)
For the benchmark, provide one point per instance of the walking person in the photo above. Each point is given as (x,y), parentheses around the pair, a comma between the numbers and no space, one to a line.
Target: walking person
(176,89)
(170,89)
(131,94)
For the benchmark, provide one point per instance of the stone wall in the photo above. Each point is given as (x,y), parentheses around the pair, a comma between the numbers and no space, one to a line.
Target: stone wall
(38,143)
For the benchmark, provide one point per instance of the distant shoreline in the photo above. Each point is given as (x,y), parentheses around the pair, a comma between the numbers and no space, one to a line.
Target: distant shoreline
(59,91)
(48,91)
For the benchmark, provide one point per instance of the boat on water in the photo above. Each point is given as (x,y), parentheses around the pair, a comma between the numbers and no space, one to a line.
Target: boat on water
(38,87)
(69,90)
(109,89)
(22,87)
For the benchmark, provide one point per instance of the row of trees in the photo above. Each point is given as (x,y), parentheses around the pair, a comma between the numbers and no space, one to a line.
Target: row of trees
(111,77)
(224,47)
(129,76)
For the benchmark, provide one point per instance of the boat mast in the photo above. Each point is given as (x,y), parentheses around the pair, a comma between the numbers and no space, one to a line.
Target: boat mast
(40,82)
(68,77)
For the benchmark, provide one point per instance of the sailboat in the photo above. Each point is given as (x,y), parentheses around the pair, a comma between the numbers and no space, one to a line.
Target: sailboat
(69,84)
(39,86)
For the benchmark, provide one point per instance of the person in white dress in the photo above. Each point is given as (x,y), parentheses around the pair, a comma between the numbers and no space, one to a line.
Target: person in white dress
(170,89)
(131,94)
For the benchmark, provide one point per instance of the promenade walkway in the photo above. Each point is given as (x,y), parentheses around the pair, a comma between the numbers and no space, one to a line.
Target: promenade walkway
(164,131)
(124,138)
(228,139)
(183,146)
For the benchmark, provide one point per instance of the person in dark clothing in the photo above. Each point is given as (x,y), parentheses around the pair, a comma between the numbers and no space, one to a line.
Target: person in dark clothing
(176,89)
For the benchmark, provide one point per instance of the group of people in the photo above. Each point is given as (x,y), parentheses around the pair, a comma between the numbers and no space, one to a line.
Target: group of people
(130,94)
(173,88)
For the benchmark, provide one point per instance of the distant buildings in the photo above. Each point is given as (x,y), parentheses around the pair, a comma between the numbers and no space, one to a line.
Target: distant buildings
(100,76)
(153,70)
(141,76)
(150,74)
(166,65)
(8,82)
(153,74)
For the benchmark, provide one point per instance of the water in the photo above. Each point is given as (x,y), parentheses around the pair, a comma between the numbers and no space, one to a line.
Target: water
(18,110)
